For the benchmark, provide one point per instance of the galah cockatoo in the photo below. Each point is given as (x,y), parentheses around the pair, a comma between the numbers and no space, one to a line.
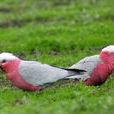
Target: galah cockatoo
(32,75)
(98,67)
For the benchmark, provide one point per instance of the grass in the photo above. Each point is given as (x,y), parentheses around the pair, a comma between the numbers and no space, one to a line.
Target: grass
(58,33)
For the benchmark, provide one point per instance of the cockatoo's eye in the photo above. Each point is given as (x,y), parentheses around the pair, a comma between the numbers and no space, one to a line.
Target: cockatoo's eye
(3,61)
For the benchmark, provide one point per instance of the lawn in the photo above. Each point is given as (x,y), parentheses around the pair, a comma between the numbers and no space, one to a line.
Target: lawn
(59,33)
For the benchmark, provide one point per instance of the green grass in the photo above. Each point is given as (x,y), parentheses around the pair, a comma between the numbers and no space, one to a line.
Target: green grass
(57,32)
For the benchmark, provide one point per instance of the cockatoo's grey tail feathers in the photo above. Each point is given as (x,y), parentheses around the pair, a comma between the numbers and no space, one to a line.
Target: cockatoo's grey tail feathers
(75,70)
(74,77)
(72,69)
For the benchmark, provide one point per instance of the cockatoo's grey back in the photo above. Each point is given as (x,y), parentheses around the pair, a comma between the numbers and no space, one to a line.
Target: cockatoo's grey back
(40,74)
(87,64)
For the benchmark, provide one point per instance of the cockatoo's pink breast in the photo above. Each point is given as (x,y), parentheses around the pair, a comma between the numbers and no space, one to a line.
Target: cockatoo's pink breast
(102,71)
(99,75)
(11,70)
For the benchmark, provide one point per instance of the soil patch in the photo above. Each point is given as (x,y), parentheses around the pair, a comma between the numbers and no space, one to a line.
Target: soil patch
(5,10)
(20,23)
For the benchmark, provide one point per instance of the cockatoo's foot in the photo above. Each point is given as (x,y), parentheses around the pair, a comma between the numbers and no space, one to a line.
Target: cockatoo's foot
(39,89)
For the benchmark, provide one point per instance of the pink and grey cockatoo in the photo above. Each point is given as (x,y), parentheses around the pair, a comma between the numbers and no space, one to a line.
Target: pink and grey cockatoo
(32,75)
(98,67)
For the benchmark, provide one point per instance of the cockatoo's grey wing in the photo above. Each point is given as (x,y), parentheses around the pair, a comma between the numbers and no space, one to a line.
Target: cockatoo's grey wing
(40,74)
(87,64)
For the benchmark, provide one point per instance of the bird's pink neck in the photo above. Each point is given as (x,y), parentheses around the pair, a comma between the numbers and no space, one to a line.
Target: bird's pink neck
(107,58)
(10,65)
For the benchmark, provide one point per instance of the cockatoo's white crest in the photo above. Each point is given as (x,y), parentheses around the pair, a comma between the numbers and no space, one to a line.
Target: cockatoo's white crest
(109,49)
(7,56)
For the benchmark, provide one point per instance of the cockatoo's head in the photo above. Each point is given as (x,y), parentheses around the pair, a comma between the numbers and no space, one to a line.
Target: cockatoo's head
(6,57)
(107,54)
